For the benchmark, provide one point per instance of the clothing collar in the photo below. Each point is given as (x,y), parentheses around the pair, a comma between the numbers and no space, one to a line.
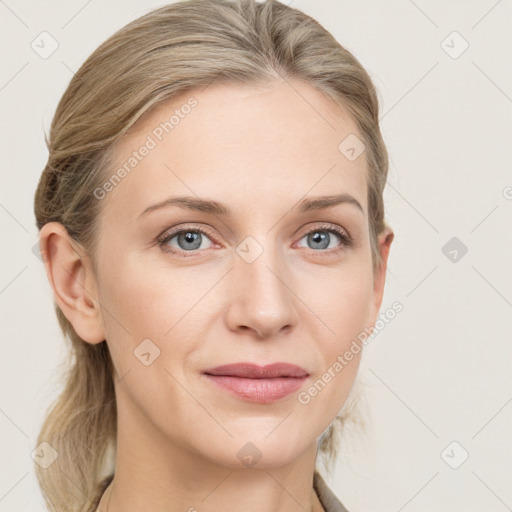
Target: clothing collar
(327,498)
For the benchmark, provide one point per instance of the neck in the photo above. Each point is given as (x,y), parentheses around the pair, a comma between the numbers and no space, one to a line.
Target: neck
(254,495)
(154,473)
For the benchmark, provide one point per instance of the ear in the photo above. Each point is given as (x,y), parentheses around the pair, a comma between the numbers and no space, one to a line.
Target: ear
(69,271)
(384,243)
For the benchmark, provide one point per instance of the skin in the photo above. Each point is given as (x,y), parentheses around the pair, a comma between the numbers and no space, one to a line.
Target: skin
(258,150)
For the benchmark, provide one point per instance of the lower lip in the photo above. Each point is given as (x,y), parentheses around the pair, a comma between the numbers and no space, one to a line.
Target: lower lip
(262,391)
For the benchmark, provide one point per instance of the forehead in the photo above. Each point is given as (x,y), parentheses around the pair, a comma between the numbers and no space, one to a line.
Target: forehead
(276,142)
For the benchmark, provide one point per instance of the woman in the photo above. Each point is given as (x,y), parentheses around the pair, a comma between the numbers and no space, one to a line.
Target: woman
(212,225)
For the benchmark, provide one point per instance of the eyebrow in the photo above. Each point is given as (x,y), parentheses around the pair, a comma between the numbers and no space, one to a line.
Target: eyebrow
(216,208)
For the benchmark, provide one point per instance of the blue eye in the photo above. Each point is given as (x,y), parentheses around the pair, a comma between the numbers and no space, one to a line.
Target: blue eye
(323,239)
(189,241)
(185,240)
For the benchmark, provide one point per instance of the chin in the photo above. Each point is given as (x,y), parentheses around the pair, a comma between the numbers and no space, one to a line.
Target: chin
(261,452)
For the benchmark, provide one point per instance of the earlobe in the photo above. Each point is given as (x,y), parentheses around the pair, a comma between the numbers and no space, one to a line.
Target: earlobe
(72,279)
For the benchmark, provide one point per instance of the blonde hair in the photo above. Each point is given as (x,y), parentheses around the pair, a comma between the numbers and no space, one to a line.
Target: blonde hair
(164,53)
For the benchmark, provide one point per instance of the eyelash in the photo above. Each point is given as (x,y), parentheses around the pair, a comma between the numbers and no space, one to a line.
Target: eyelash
(346,240)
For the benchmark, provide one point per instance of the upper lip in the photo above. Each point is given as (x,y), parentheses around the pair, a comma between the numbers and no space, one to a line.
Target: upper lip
(253,371)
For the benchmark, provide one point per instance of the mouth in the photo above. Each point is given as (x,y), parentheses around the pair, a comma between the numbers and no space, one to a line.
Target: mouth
(258,384)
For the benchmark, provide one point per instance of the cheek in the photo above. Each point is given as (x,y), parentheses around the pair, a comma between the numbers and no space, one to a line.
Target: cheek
(342,305)
(154,302)
(131,305)
(341,300)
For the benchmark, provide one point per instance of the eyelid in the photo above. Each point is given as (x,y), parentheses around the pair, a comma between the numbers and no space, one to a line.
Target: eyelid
(170,233)
(346,241)
(345,238)
(327,227)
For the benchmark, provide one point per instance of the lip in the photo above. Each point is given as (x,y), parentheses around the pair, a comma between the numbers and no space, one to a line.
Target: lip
(259,384)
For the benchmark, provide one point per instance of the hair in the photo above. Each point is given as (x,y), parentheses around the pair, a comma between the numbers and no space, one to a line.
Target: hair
(171,50)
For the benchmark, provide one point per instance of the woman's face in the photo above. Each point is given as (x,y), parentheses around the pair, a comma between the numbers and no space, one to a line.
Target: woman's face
(268,280)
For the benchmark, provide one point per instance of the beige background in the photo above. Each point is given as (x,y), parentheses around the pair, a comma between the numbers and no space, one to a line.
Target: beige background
(441,370)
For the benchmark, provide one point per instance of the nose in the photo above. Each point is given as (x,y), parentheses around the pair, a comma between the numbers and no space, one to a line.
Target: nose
(261,297)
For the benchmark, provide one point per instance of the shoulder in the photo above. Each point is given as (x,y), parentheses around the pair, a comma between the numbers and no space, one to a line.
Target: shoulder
(328,499)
